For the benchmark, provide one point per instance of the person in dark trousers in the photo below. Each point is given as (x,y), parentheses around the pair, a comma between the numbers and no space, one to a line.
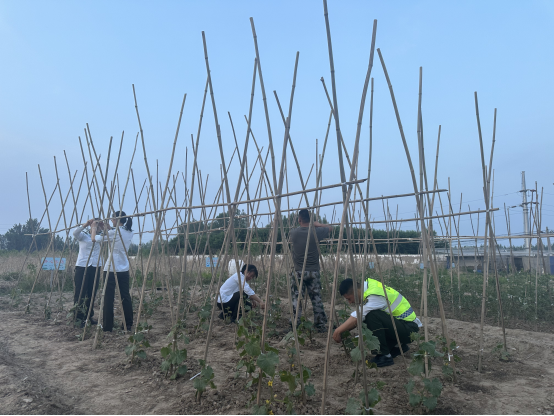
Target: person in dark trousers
(118,238)
(86,270)
(229,294)
(312,278)
(376,316)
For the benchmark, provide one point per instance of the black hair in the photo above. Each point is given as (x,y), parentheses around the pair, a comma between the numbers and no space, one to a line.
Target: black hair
(126,222)
(249,268)
(304,215)
(346,286)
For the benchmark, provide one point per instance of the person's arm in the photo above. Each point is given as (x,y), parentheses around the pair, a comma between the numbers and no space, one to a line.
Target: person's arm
(350,323)
(77,231)
(256,299)
(319,225)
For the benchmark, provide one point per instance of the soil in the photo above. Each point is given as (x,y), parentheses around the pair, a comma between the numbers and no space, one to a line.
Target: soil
(45,369)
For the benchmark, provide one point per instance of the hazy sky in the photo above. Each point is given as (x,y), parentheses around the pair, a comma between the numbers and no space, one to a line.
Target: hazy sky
(65,64)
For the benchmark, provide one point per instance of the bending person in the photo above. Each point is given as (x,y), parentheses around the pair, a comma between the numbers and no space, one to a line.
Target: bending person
(123,235)
(376,316)
(88,261)
(229,294)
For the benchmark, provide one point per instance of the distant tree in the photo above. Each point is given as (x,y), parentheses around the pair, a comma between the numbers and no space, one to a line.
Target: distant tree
(19,237)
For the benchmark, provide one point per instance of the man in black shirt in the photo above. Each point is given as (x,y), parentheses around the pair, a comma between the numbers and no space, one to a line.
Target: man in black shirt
(312,281)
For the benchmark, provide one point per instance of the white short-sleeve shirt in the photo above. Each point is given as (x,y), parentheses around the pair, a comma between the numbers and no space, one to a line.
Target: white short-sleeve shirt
(119,251)
(231,286)
(85,246)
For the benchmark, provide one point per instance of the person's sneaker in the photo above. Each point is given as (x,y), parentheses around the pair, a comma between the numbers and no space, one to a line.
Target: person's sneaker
(128,328)
(93,322)
(395,351)
(220,315)
(382,360)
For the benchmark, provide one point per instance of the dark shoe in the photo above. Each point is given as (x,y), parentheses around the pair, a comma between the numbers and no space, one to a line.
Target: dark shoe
(220,315)
(395,351)
(382,360)
(93,322)
(128,328)
(321,329)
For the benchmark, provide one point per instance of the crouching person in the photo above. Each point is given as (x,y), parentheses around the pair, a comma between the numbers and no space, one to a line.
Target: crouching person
(229,294)
(376,316)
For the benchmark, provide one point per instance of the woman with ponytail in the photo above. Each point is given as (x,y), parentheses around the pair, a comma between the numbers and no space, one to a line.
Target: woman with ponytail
(118,238)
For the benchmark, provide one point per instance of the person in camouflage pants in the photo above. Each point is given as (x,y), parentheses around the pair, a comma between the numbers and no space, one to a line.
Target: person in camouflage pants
(312,285)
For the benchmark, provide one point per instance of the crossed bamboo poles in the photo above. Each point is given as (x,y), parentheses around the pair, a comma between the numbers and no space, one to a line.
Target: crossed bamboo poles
(100,191)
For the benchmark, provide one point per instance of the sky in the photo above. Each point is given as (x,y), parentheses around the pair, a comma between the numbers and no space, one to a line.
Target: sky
(66,64)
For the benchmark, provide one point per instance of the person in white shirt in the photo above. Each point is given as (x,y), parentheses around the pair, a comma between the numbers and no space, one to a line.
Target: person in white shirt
(229,293)
(117,261)
(86,272)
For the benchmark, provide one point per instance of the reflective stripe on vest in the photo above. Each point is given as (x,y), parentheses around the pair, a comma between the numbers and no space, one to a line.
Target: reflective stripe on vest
(400,306)
(394,304)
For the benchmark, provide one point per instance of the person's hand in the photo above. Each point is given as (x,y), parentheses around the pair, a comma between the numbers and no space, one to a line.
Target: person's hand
(337,335)
(89,222)
(262,305)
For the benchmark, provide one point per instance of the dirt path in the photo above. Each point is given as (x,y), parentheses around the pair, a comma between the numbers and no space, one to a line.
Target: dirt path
(44,369)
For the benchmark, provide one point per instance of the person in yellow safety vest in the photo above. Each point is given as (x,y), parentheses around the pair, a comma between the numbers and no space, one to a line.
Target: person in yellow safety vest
(376,316)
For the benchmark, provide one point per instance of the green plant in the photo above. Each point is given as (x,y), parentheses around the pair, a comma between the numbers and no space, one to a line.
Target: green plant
(305,328)
(357,406)
(203,380)
(80,308)
(447,369)
(371,343)
(423,391)
(172,355)
(149,307)
(204,315)
(501,353)
(138,343)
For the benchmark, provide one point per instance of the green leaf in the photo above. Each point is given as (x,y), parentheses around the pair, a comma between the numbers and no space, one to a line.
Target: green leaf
(129,349)
(207,373)
(200,384)
(430,348)
(269,348)
(433,386)
(301,341)
(165,366)
(410,386)
(380,384)
(356,354)
(447,370)
(415,399)
(309,389)
(138,337)
(165,351)
(180,356)
(146,344)
(287,377)
(430,402)
(306,373)
(259,410)
(141,354)
(252,348)
(416,367)
(173,376)
(373,397)
(182,370)
(353,407)
(267,362)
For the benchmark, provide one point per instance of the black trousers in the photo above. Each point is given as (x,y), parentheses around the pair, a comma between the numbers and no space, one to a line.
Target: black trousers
(231,307)
(380,323)
(86,282)
(123,280)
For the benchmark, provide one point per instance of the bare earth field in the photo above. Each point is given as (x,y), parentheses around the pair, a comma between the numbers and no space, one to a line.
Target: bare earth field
(44,369)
